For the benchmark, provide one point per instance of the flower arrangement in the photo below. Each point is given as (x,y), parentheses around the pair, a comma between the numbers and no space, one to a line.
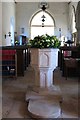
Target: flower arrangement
(45,41)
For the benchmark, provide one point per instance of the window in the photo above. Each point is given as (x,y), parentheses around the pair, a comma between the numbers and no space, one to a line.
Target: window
(36,24)
(12,30)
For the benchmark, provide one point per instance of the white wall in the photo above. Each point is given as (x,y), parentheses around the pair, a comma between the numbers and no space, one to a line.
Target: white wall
(0,58)
(0,24)
(25,11)
(8,11)
(59,11)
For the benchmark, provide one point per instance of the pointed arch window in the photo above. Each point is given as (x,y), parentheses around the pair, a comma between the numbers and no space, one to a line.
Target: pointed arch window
(36,24)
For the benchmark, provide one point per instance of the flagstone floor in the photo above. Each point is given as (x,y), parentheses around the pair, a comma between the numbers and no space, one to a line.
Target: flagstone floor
(14,91)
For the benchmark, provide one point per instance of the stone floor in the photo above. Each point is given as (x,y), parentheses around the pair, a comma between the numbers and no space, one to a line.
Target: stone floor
(14,92)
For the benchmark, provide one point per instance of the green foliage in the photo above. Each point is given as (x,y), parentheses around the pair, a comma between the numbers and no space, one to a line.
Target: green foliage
(45,41)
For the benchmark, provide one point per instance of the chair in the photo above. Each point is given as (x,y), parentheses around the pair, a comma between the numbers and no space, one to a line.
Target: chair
(70,63)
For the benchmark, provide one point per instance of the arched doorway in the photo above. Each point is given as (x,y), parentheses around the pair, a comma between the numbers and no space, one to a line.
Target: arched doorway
(37,27)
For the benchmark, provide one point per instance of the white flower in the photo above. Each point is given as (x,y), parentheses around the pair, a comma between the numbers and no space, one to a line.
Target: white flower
(47,45)
(48,40)
(53,41)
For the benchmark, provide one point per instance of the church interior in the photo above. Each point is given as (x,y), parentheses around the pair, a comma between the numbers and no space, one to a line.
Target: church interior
(39,59)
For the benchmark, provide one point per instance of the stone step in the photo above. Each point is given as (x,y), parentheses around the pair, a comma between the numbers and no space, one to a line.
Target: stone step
(44,108)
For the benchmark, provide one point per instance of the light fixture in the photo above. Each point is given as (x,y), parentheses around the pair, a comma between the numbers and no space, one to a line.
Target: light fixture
(60,32)
(43,6)
(9,34)
(15,2)
(43,19)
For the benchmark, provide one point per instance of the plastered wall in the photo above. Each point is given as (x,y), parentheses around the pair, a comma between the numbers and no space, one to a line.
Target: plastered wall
(26,10)
(8,11)
(23,12)
(0,24)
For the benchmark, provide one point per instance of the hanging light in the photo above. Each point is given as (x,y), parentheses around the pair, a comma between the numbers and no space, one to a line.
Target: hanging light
(42,24)
(43,18)
(43,6)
